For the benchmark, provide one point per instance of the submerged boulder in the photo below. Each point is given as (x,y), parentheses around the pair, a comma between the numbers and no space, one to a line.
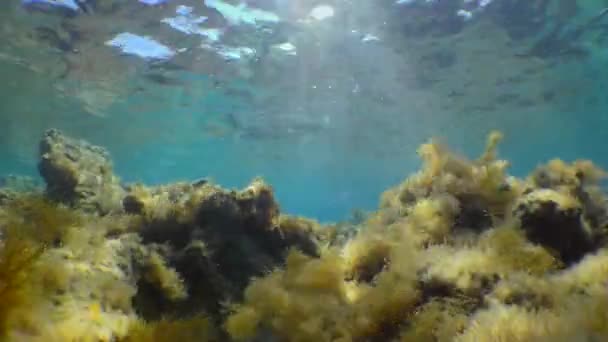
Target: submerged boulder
(554,220)
(78,174)
(216,239)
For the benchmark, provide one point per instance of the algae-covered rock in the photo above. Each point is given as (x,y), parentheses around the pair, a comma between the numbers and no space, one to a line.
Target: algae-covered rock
(216,239)
(78,173)
(555,220)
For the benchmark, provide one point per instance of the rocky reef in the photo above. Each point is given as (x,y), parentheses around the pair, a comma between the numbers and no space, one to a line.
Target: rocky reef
(460,251)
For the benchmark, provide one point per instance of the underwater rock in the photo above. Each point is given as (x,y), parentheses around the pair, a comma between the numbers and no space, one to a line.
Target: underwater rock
(78,174)
(216,239)
(554,220)
(576,185)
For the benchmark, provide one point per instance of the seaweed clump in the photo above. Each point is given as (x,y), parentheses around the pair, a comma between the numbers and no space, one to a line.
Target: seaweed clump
(48,277)
(20,249)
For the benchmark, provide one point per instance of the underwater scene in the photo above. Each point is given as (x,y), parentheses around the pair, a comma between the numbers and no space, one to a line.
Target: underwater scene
(304,170)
